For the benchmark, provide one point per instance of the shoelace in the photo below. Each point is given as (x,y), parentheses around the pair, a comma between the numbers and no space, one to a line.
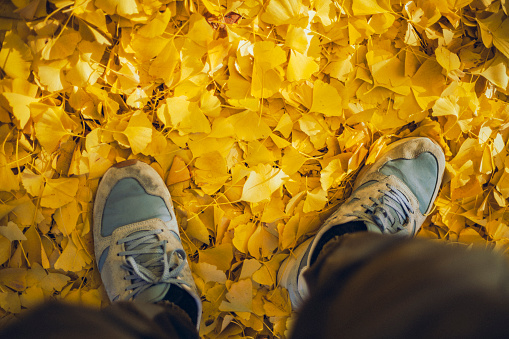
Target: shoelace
(379,215)
(148,263)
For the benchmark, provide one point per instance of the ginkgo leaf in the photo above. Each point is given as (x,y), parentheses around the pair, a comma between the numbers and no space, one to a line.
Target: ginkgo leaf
(12,232)
(209,272)
(19,104)
(71,259)
(178,171)
(165,62)
(277,303)
(184,114)
(242,235)
(315,200)
(368,7)
(219,256)
(49,128)
(297,39)
(58,192)
(62,46)
(139,132)
(262,243)
(15,57)
(447,59)
(51,74)
(248,126)
(300,67)
(326,99)
(122,7)
(239,296)
(285,125)
(292,160)
(8,180)
(498,27)
(66,217)
(496,71)
(262,182)
(157,25)
(281,12)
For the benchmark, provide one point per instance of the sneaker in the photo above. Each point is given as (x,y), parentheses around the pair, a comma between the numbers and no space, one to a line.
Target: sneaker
(393,195)
(137,241)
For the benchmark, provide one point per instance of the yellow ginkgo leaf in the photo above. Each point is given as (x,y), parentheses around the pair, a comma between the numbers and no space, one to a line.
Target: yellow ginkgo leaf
(66,217)
(71,258)
(262,182)
(58,192)
(49,128)
(497,71)
(267,274)
(139,132)
(326,99)
(51,74)
(241,236)
(248,126)
(12,232)
(292,160)
(211,172)
(15,57)
(300,67)
(262,243)
(297,39)
(184,115)
(447,59)
(196,229)
(285,125)
(277,303)
(219,256)
(178,171)
(209,272)
(62,46)
(497,26)
(122,7)
(315,200)
(280,12)
(165,62)
(157,25)
(239,296)
(369,7)
(332,174)
(8,180)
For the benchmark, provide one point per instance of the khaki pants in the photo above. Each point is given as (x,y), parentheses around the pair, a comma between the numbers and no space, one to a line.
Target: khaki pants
(363,285)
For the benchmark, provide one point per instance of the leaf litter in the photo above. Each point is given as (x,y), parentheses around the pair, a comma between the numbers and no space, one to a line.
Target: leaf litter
(257,114)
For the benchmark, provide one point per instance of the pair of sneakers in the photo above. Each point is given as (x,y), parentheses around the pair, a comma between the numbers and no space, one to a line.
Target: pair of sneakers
(137,242)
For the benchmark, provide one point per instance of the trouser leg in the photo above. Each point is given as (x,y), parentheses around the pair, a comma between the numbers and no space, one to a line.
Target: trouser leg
(367,285)
(120,320)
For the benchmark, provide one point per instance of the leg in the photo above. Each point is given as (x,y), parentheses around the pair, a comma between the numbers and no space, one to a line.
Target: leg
(367,285)
(55,320)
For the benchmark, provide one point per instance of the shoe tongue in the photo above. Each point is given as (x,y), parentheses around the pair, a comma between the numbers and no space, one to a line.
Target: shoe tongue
(392,211)
(389,209)
(141,259)
(155,293)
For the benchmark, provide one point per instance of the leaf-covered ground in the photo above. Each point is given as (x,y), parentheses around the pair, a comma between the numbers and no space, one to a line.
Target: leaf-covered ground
(256,113)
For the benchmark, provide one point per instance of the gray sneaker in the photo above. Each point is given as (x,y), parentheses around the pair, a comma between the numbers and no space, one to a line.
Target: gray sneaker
(137,242)
(392,195)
